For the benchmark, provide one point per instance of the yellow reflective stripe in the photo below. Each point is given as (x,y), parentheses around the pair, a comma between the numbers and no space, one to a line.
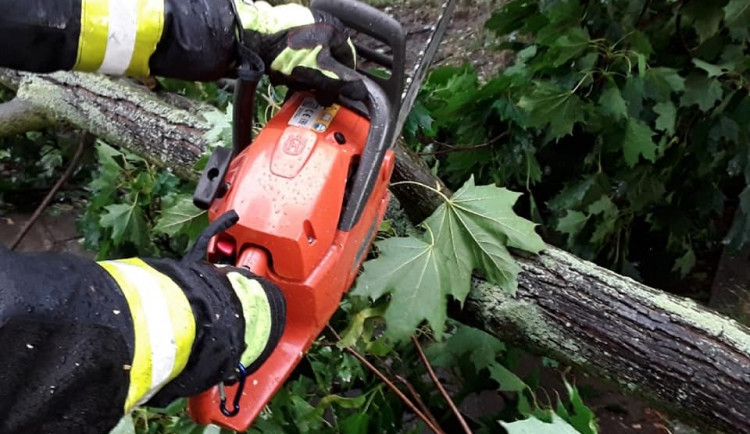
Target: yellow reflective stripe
(150,28)
(140,369)
(92,42)
(180,315)
(164,327)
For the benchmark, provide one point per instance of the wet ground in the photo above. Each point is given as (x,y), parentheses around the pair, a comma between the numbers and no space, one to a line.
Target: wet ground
(55,231)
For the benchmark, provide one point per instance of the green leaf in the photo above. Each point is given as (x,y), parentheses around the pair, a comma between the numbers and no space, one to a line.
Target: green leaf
(701,91)
(612,104)
(108,157)
(737,14)
(533,425)
(685,263)
(183,217)
(481,348)
(633,92)
(577,193)
(511,16)
(507,380)
(418,276)
(603,206)
(553,105)
(637,141)
(705,17)
(582,418)
(127,224)
(569,45)
(355,424)
(662,82)
(124,426)
(713,70)
(474,226)
(640,43)
(607,223)
(567,11)
(221,125)
(419,119)
(667,115)
(572,224)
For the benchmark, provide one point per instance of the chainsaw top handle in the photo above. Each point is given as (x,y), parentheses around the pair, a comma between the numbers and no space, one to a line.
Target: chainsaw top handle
(369,21)
(384,94)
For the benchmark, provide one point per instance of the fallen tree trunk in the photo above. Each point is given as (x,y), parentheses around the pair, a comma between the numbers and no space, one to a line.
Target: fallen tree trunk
(677,355)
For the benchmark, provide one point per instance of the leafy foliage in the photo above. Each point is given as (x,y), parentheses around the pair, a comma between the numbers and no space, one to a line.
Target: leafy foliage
(625,121)
(136,210)
(31,163)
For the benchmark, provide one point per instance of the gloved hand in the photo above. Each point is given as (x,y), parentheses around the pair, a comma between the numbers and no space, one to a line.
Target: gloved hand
(302,49)
(264,310)
(217,316)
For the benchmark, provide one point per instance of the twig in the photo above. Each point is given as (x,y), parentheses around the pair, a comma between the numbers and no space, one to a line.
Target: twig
(412,391)
(51,195)
(440,387)
(458,148)
(390,385)
(416,396)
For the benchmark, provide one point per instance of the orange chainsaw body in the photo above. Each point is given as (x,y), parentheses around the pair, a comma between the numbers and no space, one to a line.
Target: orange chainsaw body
(289,189)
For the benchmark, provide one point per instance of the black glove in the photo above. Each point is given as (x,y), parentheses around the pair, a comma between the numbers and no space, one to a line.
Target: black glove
(303,49)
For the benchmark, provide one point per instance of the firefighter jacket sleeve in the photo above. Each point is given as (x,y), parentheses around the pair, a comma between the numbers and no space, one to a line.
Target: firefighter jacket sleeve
(84,342)
(185,39)
(201,40)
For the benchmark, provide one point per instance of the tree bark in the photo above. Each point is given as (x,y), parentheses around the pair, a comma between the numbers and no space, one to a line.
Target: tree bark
(681,357)
(120,113)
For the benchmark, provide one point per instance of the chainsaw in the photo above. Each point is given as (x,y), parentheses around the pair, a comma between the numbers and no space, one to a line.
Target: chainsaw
(310,192)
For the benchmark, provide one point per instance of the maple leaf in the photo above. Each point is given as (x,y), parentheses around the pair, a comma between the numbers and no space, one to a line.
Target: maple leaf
(637,141)
(417,276)
(667,116)
(612,104)
(553,105)
(127,223)
(183,217)
(468,232)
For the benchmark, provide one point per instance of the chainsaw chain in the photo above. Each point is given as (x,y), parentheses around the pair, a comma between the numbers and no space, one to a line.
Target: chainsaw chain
(415,80)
